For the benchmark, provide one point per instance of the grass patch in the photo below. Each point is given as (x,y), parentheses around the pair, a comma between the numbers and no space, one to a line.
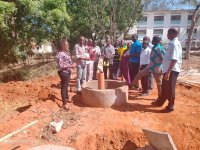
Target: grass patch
(29,72)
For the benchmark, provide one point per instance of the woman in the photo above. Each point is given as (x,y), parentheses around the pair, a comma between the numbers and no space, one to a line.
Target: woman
(64,64)
(125,66)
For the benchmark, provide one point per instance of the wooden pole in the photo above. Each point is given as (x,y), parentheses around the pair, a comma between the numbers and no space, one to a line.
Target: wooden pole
(101,81)
(17,131)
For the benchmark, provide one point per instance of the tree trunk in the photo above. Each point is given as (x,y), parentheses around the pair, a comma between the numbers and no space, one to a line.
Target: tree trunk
(195,17)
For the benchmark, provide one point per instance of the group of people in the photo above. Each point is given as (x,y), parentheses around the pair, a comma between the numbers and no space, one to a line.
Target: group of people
(131,61)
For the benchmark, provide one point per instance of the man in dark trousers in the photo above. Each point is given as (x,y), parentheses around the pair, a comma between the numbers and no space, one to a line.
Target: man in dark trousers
(134,60)
(108,52)
(171,68)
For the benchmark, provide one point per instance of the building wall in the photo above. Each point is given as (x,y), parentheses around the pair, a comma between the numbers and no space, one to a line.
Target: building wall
(150,25)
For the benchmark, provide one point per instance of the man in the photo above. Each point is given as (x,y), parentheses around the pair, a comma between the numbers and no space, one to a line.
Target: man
(121,50)
(146,38)
(90,63)
(155,66)
(116,60)
(81,58)
(108,52)
(144,61)
(97,54)
(171,68)
(134,60)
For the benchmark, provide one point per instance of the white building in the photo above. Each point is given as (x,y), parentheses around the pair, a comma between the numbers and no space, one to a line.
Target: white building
(158,23)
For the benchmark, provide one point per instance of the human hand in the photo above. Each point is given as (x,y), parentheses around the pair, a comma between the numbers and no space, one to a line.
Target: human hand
(159,52)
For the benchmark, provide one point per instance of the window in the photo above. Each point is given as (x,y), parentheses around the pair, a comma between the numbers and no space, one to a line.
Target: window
(158,18)
(189,17)
(143,21)
(158,31)
(176,17)
(143,32)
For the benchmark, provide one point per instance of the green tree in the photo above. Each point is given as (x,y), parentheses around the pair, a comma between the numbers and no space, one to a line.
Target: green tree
(24,22)
(103,17)
(195,17)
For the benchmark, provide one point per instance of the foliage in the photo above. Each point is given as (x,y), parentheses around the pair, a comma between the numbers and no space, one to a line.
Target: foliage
(15,75)
(103,17)
(24,23)
(29,72)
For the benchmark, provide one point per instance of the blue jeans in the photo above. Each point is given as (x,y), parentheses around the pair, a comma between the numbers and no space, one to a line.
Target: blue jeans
(65,79)
(81,76)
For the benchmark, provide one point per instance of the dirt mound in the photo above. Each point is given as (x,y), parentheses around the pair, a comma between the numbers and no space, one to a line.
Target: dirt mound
(115,139)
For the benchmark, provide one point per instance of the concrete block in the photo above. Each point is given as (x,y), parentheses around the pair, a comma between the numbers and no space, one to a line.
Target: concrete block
(159,140)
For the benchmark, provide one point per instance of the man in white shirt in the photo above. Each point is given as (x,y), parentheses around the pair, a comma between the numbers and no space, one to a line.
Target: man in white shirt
(171,68)
(144,61)
(97,54)
(81,58)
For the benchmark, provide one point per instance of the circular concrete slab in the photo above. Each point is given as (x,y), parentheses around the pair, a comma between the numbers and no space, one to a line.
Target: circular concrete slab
(115,94)
(50,147)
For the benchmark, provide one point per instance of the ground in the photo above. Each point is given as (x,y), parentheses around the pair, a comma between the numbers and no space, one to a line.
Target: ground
(87,128)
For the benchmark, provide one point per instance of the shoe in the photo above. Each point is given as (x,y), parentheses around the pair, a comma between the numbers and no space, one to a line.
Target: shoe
(78,92)
(170,108)
(156,103)
(167,110)
(135,88)
(144,94)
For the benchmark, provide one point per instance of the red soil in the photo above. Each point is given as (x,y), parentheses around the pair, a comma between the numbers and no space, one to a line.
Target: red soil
(88,128)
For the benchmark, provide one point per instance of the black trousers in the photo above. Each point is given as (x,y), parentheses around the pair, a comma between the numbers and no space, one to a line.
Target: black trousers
(144,80)
(133,70)
(105,70)
(168,90)
(65,79)
(115,69)
(95,70)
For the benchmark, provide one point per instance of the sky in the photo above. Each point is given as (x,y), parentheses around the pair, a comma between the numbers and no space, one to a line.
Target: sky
(168,5)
